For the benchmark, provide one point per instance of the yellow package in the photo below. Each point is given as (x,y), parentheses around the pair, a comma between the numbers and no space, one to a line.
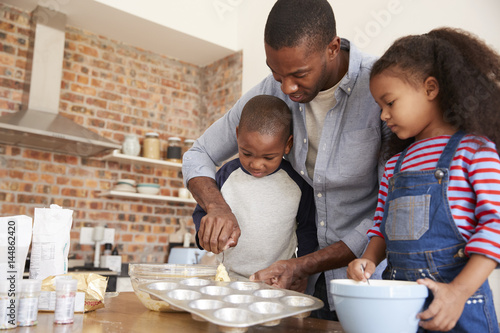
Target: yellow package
(91,284)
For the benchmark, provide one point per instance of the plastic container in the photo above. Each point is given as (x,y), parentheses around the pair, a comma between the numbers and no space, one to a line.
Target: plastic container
(151,146)
(143,273)
(65,301)
(187,144)
(379,307)
(28,303)
(174,150)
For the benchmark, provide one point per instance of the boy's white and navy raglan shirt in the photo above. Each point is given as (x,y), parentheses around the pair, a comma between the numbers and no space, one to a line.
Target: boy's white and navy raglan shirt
(275,213)
(473,189)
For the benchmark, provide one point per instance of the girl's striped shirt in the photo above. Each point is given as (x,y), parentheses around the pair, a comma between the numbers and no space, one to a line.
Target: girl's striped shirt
(473,189)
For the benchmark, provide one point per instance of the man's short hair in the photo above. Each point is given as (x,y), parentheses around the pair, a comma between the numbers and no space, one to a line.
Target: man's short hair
(293,22)
(267,115)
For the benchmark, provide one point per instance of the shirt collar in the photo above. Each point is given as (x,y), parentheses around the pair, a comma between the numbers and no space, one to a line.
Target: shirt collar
(349,80)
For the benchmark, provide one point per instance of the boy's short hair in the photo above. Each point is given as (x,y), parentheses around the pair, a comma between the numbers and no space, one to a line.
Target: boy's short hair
(268,115)
(293,22)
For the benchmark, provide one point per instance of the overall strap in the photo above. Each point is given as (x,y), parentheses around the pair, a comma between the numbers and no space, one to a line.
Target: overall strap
(399,163)
(449,151)
(446,157)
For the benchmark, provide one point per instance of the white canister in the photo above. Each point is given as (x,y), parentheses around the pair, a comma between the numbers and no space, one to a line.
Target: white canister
(131,145)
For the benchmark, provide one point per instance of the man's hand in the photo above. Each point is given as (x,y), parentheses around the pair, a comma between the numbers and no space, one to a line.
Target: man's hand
(219,230)
(293,273)
(286,274)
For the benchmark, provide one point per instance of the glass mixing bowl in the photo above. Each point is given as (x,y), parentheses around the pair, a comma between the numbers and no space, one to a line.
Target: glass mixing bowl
(145,273)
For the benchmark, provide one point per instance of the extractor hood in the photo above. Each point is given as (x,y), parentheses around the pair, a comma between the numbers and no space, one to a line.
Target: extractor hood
(40,125)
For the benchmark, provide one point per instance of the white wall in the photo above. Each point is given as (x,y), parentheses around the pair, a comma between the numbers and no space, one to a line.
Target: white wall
(372,25)
(212,20)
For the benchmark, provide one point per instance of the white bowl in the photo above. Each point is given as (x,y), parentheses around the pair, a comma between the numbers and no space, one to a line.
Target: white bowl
(381,306)
(124,188)
(124,181)
(147,188)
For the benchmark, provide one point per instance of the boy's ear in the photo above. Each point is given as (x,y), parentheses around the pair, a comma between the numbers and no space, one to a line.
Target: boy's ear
(431,86)
(289,144)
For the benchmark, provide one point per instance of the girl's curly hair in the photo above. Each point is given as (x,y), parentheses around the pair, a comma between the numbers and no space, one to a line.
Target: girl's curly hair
(468,73)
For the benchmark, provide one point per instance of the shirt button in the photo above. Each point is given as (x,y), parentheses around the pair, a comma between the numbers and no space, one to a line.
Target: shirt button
(348,89)
(301,172)
(300,108)
(322,223)
(320,195)
(305,140)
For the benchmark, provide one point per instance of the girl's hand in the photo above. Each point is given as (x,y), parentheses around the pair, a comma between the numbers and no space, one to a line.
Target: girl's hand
(446,308)
(360,269)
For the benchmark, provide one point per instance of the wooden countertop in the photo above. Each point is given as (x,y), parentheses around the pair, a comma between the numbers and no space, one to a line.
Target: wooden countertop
(125,313)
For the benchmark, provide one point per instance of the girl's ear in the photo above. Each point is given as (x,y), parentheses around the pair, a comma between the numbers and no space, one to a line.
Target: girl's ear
(431,87)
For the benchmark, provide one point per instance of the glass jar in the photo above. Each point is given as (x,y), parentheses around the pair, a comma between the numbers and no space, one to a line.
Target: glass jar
(131,145)
(188,143)
(174,150)
(151,146)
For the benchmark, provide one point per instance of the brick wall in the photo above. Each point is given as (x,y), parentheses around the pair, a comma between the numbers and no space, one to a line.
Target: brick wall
(113,89)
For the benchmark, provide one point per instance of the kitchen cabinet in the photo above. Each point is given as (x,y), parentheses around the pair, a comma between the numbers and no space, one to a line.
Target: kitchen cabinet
(117,156)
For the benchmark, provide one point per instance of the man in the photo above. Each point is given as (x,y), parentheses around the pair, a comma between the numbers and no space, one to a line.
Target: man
(338,136)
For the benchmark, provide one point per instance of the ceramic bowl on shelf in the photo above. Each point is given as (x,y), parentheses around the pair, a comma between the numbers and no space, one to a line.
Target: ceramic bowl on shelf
(381,306)
(125,185)
(148,188)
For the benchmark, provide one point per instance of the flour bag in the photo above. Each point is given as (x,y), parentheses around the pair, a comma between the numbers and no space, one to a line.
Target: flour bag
(51,240)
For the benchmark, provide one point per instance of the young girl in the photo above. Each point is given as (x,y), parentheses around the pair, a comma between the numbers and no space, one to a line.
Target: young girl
(438,214)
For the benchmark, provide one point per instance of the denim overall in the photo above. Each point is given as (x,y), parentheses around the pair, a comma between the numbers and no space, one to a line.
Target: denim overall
(423,241)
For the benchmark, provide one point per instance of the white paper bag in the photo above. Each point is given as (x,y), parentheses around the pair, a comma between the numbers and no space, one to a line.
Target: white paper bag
(51,241)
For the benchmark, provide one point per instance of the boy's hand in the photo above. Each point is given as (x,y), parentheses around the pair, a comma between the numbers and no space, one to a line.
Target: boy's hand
(360,269)
(219,230)
(446,308)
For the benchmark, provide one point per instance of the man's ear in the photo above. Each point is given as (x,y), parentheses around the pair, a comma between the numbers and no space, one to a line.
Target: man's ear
(334,47)
(237,132)
(431,86)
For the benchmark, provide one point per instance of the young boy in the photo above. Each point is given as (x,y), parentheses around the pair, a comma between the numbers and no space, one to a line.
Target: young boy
(274,206)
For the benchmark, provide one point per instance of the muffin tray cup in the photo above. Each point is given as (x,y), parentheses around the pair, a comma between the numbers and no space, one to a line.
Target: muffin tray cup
(232,306)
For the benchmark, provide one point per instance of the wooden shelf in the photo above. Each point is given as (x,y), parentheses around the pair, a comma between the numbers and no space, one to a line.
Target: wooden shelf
(117,156)
(123,194)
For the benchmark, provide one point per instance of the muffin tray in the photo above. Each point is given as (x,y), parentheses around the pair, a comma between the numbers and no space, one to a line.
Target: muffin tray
(233,306)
